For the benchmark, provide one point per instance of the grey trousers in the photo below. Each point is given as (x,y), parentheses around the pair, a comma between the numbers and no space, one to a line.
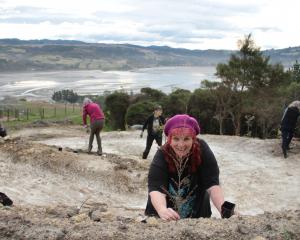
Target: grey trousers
(96,128)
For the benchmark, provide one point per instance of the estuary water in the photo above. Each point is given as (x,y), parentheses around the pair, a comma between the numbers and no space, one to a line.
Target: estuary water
(41,85)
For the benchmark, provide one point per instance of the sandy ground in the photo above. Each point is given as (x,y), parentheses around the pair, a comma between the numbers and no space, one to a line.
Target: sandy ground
(69,194)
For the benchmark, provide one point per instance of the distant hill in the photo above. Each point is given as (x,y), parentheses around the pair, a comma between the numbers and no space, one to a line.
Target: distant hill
(43,55)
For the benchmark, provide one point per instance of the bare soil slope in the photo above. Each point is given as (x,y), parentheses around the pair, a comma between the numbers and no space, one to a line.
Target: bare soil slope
(60,192)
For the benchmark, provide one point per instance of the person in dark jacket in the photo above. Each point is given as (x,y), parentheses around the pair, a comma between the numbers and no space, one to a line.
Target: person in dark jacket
(154,125)
(184,174)
(2,131)
(288,125)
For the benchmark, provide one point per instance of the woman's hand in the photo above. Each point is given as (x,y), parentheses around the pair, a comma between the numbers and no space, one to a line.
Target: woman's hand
(168,214)
(158,200)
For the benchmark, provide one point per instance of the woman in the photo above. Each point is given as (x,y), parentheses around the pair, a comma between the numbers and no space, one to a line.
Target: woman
(183,174)
(96,120)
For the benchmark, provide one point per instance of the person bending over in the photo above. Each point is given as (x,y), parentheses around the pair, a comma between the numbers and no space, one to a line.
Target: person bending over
(96,116)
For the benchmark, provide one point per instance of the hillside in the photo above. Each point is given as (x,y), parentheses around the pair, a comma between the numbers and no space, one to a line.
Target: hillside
(43,55)
(68,194)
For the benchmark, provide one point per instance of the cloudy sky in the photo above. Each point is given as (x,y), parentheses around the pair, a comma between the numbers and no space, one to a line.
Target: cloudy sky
(193,24)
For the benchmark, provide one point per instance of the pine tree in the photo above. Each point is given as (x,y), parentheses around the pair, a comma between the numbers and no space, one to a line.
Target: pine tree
(296,72)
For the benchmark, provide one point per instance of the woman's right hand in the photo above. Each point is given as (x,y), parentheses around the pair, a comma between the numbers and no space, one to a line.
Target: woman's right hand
(168,214)
(158,200)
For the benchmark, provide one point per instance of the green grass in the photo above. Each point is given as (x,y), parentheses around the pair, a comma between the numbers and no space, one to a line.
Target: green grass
(24,113)
(30,112)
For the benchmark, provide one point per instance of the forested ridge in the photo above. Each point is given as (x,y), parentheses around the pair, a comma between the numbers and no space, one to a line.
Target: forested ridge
(44,55)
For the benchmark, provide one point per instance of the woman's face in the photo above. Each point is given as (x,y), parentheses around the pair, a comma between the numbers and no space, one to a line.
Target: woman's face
(181,144)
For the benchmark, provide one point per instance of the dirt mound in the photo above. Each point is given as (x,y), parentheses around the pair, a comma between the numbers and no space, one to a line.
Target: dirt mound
(65,223)
(116,172)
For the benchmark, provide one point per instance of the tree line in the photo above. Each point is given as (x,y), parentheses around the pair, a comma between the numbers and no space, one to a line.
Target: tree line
(66,96)
(248,99)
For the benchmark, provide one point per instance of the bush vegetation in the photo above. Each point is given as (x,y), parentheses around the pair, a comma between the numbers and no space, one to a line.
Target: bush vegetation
(248,100)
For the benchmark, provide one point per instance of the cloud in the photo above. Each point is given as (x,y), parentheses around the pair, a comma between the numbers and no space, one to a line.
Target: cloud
(191,23)
(268,29)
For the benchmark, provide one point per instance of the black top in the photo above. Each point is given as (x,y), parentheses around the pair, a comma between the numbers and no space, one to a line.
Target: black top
(149,123)
(188,196)
(2,132)
(289,119)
